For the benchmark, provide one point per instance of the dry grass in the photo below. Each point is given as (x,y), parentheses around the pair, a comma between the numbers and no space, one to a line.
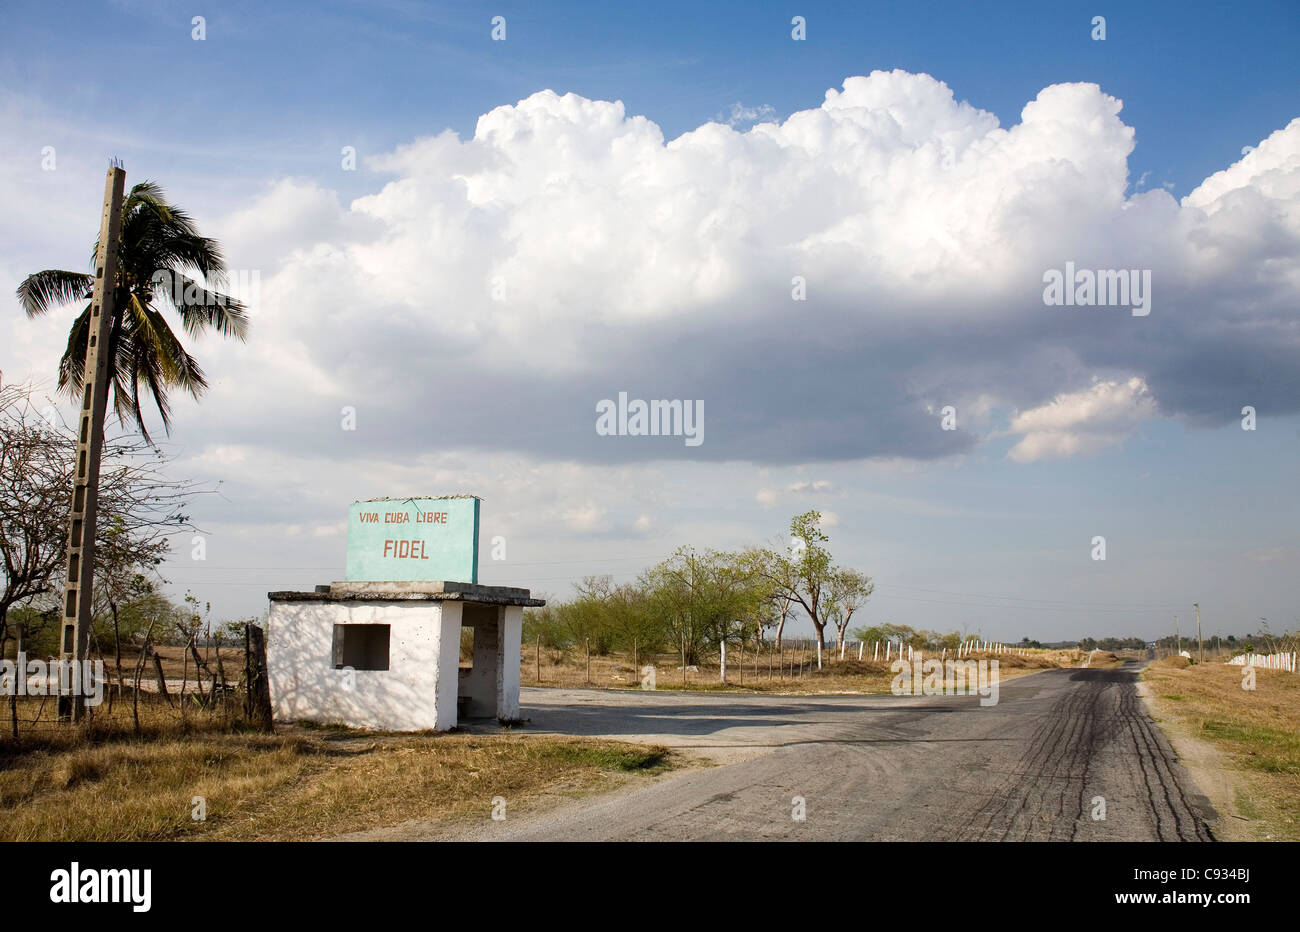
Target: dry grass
(175,662)
(1258,730)
(302,783)
(1104,659)
(765,673)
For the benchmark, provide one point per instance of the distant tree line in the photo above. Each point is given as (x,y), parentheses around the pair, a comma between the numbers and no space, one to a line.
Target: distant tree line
(1260,641)
(694,600)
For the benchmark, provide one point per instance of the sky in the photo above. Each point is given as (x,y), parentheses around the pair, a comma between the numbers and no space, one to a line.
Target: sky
(837,246)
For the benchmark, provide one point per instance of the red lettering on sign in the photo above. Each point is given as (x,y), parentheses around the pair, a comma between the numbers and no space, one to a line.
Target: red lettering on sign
(406,549)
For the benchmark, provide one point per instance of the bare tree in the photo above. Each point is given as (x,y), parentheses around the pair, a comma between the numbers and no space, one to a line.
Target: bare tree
(35,482)
(848,592)
(139,506)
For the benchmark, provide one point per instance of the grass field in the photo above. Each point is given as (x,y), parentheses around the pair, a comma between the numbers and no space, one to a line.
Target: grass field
(299,784)
(1257,733)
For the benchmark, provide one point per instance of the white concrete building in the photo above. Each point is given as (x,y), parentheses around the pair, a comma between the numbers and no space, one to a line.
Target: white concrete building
(386,655)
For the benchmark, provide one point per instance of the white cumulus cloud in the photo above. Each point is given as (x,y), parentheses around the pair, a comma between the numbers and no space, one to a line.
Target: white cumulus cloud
(1082,422)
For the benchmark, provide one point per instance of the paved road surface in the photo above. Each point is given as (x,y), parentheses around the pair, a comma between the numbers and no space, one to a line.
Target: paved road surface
(883,768)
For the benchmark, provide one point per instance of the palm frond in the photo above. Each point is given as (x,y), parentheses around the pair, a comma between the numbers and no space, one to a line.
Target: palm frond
(197,253)
(122,406)
(40,292)
(72,367)
(147,370)
(200,308)
(168,359)
(149,196)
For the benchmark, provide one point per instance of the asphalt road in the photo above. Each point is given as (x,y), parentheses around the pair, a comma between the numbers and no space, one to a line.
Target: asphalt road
(881,768)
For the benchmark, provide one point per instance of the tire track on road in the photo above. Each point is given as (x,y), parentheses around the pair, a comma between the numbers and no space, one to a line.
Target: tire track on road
(1044,795)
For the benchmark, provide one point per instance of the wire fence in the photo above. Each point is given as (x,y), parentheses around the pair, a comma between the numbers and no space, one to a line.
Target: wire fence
(736,663)
(196,688)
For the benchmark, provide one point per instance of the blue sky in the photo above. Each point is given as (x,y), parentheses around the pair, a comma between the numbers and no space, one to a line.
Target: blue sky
(289,81)
(245,129)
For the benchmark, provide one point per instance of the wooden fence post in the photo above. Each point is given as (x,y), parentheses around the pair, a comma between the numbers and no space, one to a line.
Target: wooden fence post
(158,671)
(257,696)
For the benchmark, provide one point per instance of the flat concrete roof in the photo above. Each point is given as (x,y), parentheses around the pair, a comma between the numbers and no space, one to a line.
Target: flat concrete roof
(411,591)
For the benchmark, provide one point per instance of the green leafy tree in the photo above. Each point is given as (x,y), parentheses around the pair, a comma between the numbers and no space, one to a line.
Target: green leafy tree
(848,591)
(779,580)
(704,598)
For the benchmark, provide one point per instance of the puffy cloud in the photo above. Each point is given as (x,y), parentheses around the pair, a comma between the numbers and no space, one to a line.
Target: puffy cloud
(584,517)
(567,251)
(768,497)
(817,486)
(496,287)
(1082,422)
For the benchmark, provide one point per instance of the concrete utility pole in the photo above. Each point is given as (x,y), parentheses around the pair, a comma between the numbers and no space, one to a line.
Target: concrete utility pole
(78,592)
(1200,647)
(1178,638)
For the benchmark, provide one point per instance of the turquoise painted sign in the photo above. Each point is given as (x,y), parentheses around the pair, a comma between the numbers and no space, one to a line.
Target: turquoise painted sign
(413,539)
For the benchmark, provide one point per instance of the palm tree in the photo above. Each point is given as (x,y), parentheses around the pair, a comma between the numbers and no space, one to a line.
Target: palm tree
(159,251)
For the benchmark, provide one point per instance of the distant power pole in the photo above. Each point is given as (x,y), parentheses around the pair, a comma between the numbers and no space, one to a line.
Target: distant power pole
(1178,639)
(79,588)
(1200,648)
